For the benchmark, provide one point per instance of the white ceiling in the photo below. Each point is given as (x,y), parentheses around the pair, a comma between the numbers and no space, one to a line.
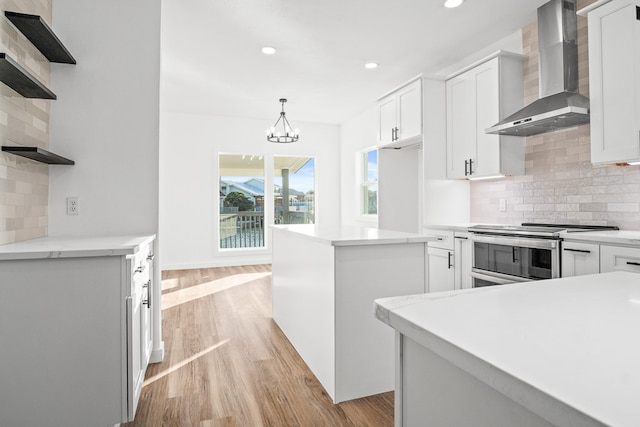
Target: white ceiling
(212,64)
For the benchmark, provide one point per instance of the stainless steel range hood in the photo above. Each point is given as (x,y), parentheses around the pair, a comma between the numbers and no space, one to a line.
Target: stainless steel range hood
(560,105)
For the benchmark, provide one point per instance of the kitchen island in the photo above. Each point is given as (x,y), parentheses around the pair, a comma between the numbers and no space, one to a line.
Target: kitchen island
(561,352)
(325,279)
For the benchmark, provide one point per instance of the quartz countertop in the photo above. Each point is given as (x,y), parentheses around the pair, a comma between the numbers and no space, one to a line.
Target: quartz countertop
(567,349)
(74,247)
(620,237)
(341,235)
(450,227)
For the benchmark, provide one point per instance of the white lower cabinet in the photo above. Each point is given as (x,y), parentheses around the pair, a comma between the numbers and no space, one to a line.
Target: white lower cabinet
(139,341)
(440,261)
(76,334)
(441,271)
(614,258)
(462,260)
(580,258)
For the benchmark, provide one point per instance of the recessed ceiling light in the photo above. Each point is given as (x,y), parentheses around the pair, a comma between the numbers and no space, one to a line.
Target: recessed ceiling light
(371,65)
(268,50)
(453,3)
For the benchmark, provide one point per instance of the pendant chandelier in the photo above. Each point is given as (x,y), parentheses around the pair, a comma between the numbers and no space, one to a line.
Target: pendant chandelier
(284,135)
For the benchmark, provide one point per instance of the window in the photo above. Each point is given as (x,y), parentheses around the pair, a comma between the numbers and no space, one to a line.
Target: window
(241,196)
(294,190)
(369,180)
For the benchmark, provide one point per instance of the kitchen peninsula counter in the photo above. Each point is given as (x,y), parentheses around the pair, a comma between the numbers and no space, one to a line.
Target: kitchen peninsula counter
(78,320)
(561,352)
(74,247)
(325,279)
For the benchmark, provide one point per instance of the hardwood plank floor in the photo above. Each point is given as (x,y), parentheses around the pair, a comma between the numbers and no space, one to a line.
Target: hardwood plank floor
(228,364)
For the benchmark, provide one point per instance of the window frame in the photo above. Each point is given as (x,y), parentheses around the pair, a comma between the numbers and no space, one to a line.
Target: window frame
(364,183)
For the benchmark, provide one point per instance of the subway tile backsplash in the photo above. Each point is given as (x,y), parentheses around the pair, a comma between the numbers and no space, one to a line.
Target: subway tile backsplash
(24,184)
(560,184)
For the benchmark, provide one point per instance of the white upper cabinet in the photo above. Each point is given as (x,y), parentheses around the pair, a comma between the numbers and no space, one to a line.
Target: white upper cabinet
(400,115)
(614,80)
(477,98)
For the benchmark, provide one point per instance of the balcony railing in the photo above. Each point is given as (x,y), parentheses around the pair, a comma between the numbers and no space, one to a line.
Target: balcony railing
(242,230)
(246,229)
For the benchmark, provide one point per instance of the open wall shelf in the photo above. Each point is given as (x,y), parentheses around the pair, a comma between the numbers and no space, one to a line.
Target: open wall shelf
(20,80)
(38,154)
(41,36)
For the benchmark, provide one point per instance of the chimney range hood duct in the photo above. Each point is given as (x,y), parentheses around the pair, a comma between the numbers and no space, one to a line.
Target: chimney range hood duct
(560,105)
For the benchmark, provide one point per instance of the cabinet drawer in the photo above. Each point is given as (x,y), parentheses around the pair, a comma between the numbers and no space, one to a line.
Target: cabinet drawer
(141,265)
(619,258)
(579,258)
(445,238)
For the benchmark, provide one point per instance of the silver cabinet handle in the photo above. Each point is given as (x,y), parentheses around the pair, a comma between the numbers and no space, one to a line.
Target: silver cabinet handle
(150,257)
(147,302)
(470,166)
(466,167)
(140,269)
(449,260)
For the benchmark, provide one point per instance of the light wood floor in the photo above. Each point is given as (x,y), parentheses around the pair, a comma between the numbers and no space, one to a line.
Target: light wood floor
(228,364)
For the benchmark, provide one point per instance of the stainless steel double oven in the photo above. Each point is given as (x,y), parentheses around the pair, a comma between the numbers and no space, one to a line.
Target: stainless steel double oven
(509,254)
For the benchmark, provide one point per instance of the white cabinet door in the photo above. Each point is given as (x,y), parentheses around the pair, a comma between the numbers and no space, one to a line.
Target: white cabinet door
(386,120)
(580,258)
(487,107)
(410,111)
(441,270)
(462,261)
(461,128)
(400,115)
(614,82)
(614,258)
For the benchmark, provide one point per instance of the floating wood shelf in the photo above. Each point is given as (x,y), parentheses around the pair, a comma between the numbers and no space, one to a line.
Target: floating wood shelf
(20,80)
(38,154)
(41,36)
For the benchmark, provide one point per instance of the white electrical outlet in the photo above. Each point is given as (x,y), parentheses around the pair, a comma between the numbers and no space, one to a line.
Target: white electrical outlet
(503,205)
(73,206)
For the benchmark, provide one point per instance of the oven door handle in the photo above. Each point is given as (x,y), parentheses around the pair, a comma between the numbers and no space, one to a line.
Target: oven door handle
(500,279)
(516,241)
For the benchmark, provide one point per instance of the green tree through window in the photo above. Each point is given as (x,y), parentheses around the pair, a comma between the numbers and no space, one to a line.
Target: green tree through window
(238,200)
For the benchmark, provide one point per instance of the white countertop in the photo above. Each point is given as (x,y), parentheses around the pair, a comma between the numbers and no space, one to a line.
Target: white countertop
(558,347)
(73,247)
(619,237)
(450,227)
(341,235)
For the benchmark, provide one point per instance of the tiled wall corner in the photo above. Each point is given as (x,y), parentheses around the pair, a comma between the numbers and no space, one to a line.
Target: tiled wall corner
(24,184)
(560,184)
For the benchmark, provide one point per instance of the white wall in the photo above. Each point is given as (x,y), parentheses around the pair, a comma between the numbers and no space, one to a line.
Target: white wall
(106,118)
(189,147)
(356,135)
